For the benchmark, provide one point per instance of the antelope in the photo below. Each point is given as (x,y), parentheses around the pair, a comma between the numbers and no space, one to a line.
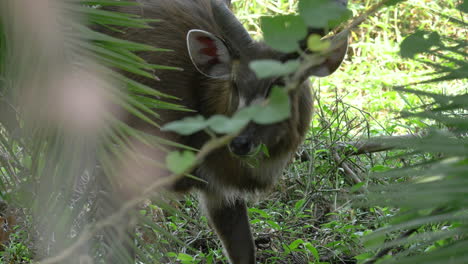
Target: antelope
(214,50)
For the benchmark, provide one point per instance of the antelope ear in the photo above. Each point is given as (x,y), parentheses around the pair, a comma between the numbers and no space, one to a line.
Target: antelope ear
(209,54)
(333,60)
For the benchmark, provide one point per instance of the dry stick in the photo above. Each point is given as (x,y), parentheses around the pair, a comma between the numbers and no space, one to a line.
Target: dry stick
(127,206)
(376,144)
(348,171)
(362,147)
(372,145)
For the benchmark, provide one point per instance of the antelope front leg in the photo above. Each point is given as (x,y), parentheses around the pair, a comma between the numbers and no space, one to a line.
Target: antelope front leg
(231,223)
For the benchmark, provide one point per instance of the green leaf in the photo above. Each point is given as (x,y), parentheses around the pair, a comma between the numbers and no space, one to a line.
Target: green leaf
(273,224)
(186,126)
(283,32)
(178,162)
(218,123)
(364,256)
(247,113)
(393,2)
(357,187)
(299,204)
(312,250)
(463,6)
(184,257)
(100,16)
(271,68)
(315,43)
(419,42)
(277,109)
(380,168)
(264,150)
(285,249)
(296,243)
(223,125)
(322,13)
(260,212)
(346,15)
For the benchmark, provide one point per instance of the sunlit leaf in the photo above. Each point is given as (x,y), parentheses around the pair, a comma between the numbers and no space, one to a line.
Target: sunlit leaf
(223,125)
(283,32)
(271,68)
(296,243)
(178,162)
(315,43)
(277,109)
(319,13)
(312,250)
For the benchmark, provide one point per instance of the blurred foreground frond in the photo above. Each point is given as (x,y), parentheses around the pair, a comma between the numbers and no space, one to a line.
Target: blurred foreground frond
(432,225)
(63,96)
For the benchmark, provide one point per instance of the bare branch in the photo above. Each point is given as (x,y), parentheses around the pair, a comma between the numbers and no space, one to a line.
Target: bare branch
(352,176)
(372,145)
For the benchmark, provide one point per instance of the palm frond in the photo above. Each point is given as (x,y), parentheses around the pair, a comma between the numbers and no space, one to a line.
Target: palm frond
(48,163)
(433,214)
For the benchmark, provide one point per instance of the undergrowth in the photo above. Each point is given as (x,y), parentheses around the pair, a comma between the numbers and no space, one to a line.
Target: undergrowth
(310,217)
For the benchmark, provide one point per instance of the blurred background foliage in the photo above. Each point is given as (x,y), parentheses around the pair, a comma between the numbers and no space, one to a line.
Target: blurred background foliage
(402,89)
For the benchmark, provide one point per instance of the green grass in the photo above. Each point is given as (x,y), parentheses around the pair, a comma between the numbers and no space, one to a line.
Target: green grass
(310,213)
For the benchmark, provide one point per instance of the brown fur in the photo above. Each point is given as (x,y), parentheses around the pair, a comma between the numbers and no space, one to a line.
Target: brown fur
(228,177)
(6,228)
(208,96)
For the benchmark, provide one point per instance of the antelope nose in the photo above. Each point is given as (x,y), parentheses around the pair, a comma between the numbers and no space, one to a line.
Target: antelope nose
(241,146)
